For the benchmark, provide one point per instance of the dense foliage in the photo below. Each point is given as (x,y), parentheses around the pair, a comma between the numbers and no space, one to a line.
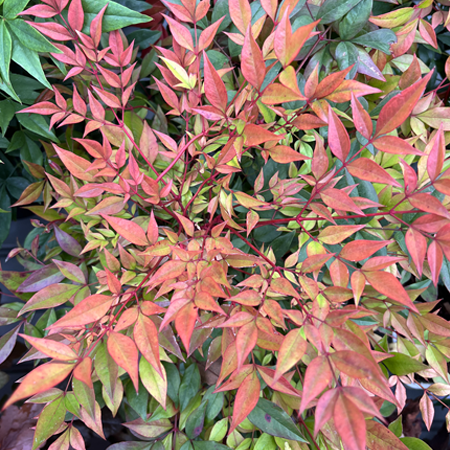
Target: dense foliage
(241,229)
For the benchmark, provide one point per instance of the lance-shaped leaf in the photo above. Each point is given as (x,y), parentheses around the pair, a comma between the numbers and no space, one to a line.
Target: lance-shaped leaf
(361,118)
(128,229)
(291,351)
(245,341)
(436,156)
(385,283)
(338,138)
(361,249)
(416,244)
(252,65)
(7,343)
(368,170)
(288,45)
(350,424)
(124,352)
(67,242)
(39,380)
(146,338)
(284,155)
(215,90)
(398,108)
(180,33)
(395,145)
(335,234)
(427,410)
(247,397)
(241,14)
(87,311)
(154,382)
(340,200)
(318,376)
(76,165)
(53,349)
(50,297)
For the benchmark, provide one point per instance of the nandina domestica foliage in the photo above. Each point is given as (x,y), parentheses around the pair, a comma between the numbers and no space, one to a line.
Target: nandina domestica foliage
(240,251)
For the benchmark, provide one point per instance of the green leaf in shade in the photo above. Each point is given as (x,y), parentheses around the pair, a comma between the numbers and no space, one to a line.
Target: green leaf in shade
(209,445)
(221,9)
(194,423)
(137,400)
(7,111)
(5,51)
(190,385)
(5,219)
(7,343)
(346,56)
(271,419)
(173,382)
(37,124)
(30,37)
(333,10)
(355,19)
(144,38)
(401,364)
(50,419)
(131,446)
(378,39)
(29,61)
(13,7)
(116,16)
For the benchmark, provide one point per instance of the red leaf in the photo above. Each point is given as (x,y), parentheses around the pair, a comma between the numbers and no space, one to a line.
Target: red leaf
(76,15)
(284,155)
(208,34)
(305,121)
(52,30)
(255,135)
(350,88)
(96,26)
(215,90)
(361,249)
(89,310)
(245,341)
(428,33)
(398,108)
(361,118)
(435,259)
(180,33)
(436,156)
(247,397)
(324,409)
(185,323)
(76,165)
(124,352)
(385,283)
(368,170)
(129,230)
(109,99)
(83,372)
(336,199)
(252,65)
(39,380)
(417,247)
(318,376)
(428,203)
(42,11)
(338,138)
(291,351)
(350,424)
(396,146)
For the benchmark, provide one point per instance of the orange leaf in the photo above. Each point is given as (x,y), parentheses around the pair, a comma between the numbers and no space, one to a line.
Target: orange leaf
(185,323)
(417,247)
(283,286)
(252,65)
(291,351)
(245,341)
(277,93)
(215,89)
(87,311)
(123,351)
(52,349)
(350,424)
(241,14)
(385,283)
(76,165)
(336,199)
(247,397)
(428,203)
(361,118)
(368,170)
(39,380)
(395,146)
(255,135)
(83,372)
(318,376)
(361,249)
(129,230)
(336,234)
(349,88)
(146,339)
(284,155)
(338,138)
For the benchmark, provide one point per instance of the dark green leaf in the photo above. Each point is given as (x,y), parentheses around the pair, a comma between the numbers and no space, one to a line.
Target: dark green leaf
(379,39)
(144,38)
(30,37)
(271,419)
(355,19)
(173,382)
(346,56)
(16,185)
(5,219)
(209,445)
(215,403)
(7,111)
(13,7)
(190,385)
(221,9)
(333,10)
(401,364)
(5,51)
(37,124)
(194,423)
(137,400)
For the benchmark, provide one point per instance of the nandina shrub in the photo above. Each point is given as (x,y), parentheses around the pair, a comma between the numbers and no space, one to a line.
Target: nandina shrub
(230,273)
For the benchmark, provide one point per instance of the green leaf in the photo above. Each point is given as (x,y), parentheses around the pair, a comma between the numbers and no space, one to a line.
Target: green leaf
(379,39)
(355,19)
(131,446)
(16,185)
(28,60)
(7,111)
(5,49)
(37,124)
(50,419)
(190,385)
(144,38)
(137,400)
(13,7)
(5,219)
(346,56)
(333,10)
(396,426)
(221,9)
(209,445)
(401,364)
(415,444)
(173,382)
(30,37)
(271,419)
(194,423)
(215,403)
(116,16)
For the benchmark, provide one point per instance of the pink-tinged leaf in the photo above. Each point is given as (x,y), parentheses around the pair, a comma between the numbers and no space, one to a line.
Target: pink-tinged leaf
(256,135)
(52,30)
(395,146)
(109,99)
(284,155)
(124,352)
(288,45)
(83,372)
(53,349)
(435,259)
(42,108)
(350,424)
(76,165)
(283,286)
(89,310)
(169,270)
(318,376)
(338,138)
(42,11)
(7,343)
(291,352)
(336,234)
(428,33)
(428,203)
(361,249)
(252,65)
(436,156)
(247,397)
(340,200)
(96,26)
(277,93)
(146,338)
(215,89)
(427,410)
(129,230)
(208,34)
(417,247)
(67,242)
(180,33)
(368,170)
(324,409)
(185,323)
(386,284)
(349,88)
(187,224)
(39,380)
(241,14)
(245,341)
(304,121)
(398,108)
(361,118)
(76,15)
